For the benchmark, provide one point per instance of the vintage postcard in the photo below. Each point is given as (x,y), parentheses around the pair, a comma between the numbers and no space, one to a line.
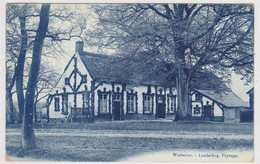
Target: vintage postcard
(129,82)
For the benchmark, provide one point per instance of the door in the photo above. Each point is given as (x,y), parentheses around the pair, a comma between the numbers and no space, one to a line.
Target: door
(117,110)
(207,112)
(117,106)
(161,107)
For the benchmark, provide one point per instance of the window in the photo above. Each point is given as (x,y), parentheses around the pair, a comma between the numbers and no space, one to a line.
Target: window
(196,109)
(131,103)
(56,104)
(64,104)
(172,104)
(103,107)
(148,100)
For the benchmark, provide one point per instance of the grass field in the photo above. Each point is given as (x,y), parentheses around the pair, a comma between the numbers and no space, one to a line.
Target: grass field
(113,141)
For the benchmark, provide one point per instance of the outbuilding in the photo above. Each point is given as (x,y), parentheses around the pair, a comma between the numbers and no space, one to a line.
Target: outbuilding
(223,106)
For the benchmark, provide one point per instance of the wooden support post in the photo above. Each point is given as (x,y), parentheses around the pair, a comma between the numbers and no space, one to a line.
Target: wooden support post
(122,102)
(71,117)
(75,83)
(48,115)
(112,94)
(212,111)
(156,103)
(88,107)
(92,101)
(223,114)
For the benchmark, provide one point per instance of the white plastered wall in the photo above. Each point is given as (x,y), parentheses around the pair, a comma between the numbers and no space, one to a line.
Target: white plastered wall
(81,67)
(61,84)
(139,89)
(217,109)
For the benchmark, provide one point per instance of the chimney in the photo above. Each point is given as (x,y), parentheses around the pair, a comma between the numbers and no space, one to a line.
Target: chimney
(79,46)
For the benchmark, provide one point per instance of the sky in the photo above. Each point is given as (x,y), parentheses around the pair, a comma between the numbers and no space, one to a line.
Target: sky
(59,63)
(239,88)
(237,85)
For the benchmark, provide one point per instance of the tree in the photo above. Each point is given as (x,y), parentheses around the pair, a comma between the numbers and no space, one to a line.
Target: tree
(51,26)
(186,37)
(10,111)
(21,31)
(28,139)
(12,42)
(21,60)
(47,79)
(17,44)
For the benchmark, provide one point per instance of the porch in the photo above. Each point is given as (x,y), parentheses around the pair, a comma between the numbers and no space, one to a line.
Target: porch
(79,115)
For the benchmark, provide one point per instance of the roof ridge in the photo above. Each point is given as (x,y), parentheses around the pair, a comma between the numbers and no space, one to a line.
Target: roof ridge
(97,55)
(222,100)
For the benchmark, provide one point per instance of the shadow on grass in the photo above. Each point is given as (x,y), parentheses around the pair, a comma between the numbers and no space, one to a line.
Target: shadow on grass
(100,149)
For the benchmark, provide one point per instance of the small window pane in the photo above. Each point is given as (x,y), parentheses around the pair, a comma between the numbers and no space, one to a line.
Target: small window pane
(172,104)
(131,103)
(56,104)
(103,103)
(148,104)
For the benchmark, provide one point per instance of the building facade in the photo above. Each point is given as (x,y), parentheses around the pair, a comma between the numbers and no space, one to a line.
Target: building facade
(93,86)
(211,106)
(103,87)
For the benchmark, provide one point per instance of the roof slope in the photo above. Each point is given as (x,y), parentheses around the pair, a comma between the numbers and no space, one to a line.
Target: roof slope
(228,99)
(117,69)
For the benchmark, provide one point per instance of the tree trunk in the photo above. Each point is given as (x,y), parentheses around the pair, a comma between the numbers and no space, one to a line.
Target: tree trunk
(35,111)
(10,111)
(28,138)
(20,68)
(183,109)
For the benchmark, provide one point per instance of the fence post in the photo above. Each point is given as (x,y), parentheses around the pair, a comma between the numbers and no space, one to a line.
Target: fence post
(71,115)
(81,115)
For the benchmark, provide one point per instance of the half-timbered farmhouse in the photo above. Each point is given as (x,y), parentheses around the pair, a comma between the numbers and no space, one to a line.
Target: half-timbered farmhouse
(105,87)
(111,88)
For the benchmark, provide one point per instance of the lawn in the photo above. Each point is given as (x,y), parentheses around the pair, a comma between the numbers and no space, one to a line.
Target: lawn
(113,141)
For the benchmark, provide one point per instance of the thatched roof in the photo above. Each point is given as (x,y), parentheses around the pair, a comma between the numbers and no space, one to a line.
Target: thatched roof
(227,99)
(118,69)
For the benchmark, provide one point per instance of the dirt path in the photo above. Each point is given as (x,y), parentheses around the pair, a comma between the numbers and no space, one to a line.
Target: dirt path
(134,134)
(129,140)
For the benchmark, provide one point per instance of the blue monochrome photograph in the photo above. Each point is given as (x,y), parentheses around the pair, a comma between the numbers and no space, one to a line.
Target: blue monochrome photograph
(134,82)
